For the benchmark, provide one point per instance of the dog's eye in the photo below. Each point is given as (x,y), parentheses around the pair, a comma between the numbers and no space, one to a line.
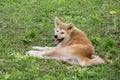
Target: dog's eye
(62,32)
(57,31)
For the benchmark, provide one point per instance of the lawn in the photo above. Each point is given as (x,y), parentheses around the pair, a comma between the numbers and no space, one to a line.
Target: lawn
(27,23)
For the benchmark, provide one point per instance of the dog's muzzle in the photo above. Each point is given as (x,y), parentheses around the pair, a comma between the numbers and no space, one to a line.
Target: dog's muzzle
(57,41)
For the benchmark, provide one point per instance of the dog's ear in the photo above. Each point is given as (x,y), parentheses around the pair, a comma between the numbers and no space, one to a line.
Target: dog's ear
(57,21)
(70,26)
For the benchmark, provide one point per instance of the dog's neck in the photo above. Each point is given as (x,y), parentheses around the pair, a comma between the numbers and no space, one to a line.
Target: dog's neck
(77,33)
(64,42)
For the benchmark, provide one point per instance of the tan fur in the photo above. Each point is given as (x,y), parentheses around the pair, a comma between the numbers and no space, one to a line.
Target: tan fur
(75,48)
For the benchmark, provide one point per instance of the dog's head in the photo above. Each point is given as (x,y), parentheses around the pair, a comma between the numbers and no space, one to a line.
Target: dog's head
(62,31)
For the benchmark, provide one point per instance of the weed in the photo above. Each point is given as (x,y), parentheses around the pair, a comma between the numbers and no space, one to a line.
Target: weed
(31,33)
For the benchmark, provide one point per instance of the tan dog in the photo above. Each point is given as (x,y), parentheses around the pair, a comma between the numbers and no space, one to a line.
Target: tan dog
(73,46)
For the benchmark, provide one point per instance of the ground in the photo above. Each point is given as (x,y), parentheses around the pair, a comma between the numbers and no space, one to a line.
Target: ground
(27,23)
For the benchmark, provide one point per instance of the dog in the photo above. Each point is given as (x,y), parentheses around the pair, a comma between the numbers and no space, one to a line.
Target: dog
(73,46)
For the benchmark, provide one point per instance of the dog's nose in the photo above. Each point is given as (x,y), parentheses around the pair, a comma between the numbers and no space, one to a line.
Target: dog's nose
(55,36)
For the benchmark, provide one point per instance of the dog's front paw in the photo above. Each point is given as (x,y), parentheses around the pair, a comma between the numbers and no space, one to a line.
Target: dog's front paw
(39,48)
(34,53)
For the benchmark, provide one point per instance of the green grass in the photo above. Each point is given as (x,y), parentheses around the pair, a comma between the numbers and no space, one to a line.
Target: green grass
(27,23)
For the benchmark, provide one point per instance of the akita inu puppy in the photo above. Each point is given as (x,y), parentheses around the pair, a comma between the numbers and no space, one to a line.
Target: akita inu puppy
(73,46)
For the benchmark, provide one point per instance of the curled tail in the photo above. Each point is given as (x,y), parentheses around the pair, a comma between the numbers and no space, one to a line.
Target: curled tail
(95,60)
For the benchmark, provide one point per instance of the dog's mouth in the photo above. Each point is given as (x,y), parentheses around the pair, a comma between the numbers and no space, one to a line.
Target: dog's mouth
(57,41)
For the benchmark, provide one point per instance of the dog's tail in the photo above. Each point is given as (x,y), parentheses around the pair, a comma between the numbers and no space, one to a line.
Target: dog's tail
(94,60)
